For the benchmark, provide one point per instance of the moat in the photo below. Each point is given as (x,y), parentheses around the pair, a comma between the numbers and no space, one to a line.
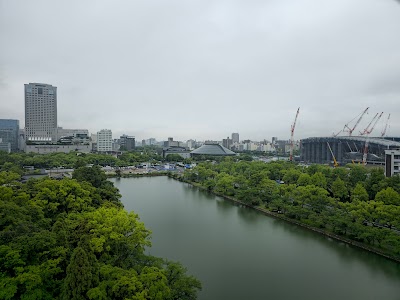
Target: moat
(239,253)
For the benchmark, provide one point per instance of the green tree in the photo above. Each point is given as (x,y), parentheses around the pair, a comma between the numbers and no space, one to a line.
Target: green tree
(374,182)
(318,179)
(357,174)
(388,196)
(341,173)
(79,276)
(291,176)
(182,287)
(79,163)
(173,157)
(304,180)
(94,175)
(225,184)
(97,178)
(10,167)
(359,193)
(339,189)
(393,182)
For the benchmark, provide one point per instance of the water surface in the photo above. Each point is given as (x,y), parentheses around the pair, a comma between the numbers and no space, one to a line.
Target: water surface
(239,253)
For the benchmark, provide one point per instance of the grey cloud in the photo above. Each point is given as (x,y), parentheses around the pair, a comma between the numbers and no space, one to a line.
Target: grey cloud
(203,69)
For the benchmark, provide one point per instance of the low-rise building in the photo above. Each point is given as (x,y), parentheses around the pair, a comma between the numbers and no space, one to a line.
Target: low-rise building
(182,151)
(77,133)
(52,148)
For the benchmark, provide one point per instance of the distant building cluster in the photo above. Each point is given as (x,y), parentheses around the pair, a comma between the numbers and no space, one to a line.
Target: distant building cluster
(42,134)
(274,146)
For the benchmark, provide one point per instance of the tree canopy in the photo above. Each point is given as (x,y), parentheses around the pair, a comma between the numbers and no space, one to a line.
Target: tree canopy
(72,239)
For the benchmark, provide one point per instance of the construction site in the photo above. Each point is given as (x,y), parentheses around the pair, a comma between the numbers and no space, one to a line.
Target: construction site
(349,145)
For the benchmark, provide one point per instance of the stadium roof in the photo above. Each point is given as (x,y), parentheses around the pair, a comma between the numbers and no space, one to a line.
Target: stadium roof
(212,149)
(374,140)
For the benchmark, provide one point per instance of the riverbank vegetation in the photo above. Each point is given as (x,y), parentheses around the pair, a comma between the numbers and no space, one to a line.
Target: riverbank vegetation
(72,239)
(354,202)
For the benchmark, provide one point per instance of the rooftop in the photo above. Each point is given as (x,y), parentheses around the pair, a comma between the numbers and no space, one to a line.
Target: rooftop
(212,149)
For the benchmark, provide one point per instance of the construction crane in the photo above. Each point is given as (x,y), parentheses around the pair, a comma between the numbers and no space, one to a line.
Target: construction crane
(292,134)
(335,163)
(383,133)
(367,141)
(336,134)
(367,128)
(350,130)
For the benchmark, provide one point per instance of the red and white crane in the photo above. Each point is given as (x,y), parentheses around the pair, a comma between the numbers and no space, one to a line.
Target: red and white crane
(367,128)
(368,132)
(292,134)
(350,130)
(383,133)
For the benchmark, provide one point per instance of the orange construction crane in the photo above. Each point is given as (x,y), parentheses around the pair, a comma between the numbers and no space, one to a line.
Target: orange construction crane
(292,134)
(335,163)
(350,130)
(368,132)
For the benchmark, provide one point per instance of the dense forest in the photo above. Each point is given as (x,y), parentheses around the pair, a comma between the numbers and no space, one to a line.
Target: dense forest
(354,202)
(72,239)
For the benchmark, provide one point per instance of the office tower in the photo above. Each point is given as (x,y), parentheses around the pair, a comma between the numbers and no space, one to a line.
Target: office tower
(191,144)
(235,137)
(40,113)
(104,140)
(127,143)
(227,143)
(151,141)
(9,133)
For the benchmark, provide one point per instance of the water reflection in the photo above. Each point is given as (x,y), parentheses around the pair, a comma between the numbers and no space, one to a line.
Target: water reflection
(247,214)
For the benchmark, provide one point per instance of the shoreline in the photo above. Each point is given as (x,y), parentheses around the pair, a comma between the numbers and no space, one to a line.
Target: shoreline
(305,226)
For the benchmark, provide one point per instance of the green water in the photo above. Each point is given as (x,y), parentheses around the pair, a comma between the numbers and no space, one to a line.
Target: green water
(238,253)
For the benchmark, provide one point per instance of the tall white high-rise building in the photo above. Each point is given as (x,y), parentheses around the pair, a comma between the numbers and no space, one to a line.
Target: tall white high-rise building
(40,113)
(104,140)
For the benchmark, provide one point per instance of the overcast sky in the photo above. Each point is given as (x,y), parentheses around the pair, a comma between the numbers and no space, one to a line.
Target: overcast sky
(203,69)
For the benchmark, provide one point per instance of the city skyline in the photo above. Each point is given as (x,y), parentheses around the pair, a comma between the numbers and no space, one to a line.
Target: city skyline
(203,70)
